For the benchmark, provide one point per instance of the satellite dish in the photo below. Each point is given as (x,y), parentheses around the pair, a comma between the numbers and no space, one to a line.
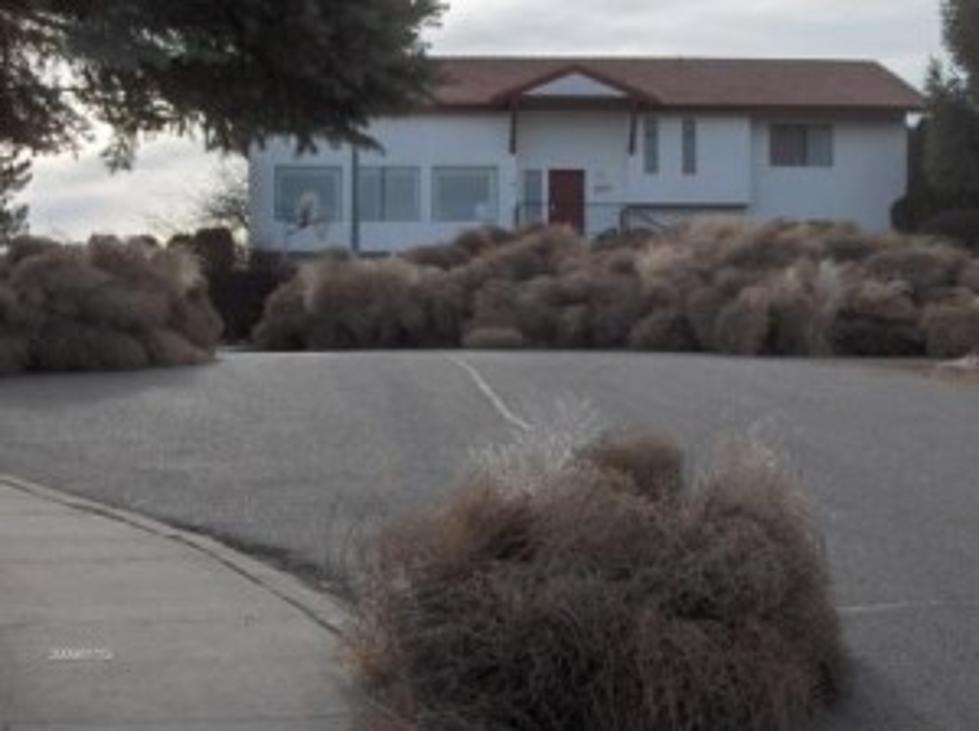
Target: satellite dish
(308,209)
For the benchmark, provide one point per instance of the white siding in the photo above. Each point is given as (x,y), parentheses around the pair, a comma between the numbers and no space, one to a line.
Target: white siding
(422,141)
(869,173)
(575,85)
(723,175)
(733,171)
(596,142)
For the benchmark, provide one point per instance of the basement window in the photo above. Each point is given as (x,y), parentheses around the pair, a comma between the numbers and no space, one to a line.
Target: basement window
(802,145)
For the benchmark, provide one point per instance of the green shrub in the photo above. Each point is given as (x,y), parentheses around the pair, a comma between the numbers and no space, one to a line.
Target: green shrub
(610,594)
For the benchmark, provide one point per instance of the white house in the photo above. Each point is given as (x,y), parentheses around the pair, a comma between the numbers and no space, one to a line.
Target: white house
(599,143)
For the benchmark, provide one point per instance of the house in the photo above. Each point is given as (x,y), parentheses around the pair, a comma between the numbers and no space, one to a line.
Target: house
(599,143)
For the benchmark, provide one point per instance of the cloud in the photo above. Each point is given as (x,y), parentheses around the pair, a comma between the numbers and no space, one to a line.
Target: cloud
(901,34)
(72,197)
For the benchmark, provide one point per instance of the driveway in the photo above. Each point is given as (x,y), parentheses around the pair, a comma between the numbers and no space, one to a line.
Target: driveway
(276,452)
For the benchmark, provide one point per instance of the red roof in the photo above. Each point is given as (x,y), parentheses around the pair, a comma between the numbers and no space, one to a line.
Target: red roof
(686,82)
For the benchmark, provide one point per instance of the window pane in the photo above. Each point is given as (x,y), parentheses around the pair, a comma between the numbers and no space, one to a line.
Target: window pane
(788,145)
(369,194)
(533,196)
(819,150)
(402,194)
(305,195)
(464,194)
(651,145)
(689,147)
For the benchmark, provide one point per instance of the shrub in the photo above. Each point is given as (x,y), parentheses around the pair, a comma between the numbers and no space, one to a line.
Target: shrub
(921,267)
(742,325)
(962,226)
(610,594)
(714,284)
(969,276)
(952,329)
(284,324)
(663,330)
(107,305)
(877,319)
(462,250)
(495,338)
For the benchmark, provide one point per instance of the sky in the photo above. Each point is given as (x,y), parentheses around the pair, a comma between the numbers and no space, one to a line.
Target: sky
(73,196)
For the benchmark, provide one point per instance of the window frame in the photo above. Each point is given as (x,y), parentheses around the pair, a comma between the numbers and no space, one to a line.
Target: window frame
(494,178)
(689,142)
(534,207)
(651,144)
(807,158)
(384,215)
(282,170)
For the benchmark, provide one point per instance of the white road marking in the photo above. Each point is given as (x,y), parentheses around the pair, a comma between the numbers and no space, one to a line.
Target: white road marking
(907,606)
(498,403)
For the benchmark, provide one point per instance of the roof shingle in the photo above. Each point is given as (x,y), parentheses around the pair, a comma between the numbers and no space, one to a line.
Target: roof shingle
(688,82)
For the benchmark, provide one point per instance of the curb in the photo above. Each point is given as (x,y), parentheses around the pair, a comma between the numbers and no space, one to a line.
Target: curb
(320,608)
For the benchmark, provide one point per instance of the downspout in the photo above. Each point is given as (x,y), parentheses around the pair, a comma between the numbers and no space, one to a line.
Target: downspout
(355,198)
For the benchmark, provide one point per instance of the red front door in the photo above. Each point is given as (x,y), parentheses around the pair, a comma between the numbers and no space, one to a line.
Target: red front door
(567,189)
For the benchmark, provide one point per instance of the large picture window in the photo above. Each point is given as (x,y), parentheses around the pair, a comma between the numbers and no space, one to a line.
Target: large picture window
(465,194)
(802,145)
(389,194)
(305,194)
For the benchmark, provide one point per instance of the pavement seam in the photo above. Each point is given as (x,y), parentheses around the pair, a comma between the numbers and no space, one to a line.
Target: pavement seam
(318,607)
(492,396)
(888,607)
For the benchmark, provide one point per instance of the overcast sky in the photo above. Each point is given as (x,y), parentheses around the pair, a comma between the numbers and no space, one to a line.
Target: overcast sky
(72,197)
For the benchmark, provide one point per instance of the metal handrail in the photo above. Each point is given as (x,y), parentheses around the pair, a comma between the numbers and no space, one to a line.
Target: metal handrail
(599,217)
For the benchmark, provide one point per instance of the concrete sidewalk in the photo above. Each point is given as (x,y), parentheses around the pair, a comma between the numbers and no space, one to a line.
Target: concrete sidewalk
(111,621)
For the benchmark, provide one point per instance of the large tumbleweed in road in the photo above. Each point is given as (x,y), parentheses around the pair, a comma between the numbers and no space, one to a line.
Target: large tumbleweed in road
(107,305)
(605,592)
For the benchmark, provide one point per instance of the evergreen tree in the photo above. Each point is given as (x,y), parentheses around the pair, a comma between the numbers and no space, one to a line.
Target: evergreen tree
(961,30)
(952,143)
(14,176)
(238,71)
(234,71)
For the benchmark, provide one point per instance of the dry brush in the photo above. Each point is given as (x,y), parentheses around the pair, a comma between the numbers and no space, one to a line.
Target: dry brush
(713,285)
(608,592)
(106,305)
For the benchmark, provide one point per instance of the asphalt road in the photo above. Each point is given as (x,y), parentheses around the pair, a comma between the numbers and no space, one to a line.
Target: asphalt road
(276,451)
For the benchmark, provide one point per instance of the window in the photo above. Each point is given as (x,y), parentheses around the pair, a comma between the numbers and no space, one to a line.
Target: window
(689,147)
(464,194)
(801,145)
(533,197)
(651,144)
(389,194)
(305,194)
